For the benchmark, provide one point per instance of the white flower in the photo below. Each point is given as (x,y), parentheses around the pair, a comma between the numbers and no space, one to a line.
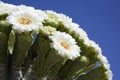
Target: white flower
(6,8)
(42,14)
(109,74)
(62,18)
(105,62)
(106,65)
(82,34)
(67,22)
(65,45)
(73,26)
(24,20)
(91,43)
(24,7)
(33,10)
(51,12)
(102,58)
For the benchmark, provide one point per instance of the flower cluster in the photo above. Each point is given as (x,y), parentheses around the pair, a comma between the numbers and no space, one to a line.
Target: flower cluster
(45,45)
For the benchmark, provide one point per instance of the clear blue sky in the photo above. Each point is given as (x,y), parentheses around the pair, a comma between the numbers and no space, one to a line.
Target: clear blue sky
(99,18)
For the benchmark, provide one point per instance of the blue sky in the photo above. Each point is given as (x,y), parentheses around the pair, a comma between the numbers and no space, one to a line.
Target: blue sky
(99,18)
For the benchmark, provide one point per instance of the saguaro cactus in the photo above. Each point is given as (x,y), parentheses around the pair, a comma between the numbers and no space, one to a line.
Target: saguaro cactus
(45,45)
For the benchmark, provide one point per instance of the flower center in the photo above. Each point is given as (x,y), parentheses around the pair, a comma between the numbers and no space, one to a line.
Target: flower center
(24,21)
(65,45)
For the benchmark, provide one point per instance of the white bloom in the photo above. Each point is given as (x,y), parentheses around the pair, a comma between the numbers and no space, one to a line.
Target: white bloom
(82,34)
(51,12)
(6,8)
(32,9)
(94,45)
(42,14)
(109,74)
(102,58)
(65,45)
(24,7)
(67,22)
(73,26)
(62,18)
(106,65)
(24,20)
(105,62)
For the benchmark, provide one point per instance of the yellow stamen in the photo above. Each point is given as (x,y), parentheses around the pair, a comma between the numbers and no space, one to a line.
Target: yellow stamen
(65,45)
(24,21)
